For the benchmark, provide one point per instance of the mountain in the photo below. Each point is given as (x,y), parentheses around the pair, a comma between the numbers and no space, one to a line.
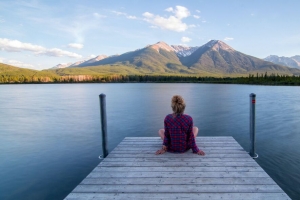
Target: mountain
(61,65)
(217,57)
(156,58)
(77,63)
(212,58)
(88,62)
(293,62)
(81,63)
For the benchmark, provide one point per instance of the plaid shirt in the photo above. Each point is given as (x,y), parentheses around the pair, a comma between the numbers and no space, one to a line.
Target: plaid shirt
(179,135)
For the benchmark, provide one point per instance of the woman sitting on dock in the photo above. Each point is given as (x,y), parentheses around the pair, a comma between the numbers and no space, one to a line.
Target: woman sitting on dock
(179,133)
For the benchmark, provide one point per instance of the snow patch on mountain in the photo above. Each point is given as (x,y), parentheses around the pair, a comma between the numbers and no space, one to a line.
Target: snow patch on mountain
(183,51)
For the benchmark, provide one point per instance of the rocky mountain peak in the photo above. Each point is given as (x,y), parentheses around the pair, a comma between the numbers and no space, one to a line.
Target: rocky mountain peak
(161,45)
(61,65)
(97,58)
(217,45)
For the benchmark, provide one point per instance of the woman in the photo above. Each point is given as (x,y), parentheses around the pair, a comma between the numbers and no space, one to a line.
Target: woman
(179,133)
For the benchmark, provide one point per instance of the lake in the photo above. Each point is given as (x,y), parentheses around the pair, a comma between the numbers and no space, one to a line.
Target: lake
(50,137)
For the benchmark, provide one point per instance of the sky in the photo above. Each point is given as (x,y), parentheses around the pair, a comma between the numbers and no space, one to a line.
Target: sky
(39,34)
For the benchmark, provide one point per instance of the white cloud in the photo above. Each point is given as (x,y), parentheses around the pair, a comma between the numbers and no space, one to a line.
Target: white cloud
(97,15)
(17,46)
(173,22)
(198,11)
(2,20)
(192,26)
(131,17)
(228,38)
(196,16)
(125,14)
(203,21)
(75,45)
(119,13)
(148,15)
(55,52)
(185,39)
(169,9)
(1,60)
(181,12)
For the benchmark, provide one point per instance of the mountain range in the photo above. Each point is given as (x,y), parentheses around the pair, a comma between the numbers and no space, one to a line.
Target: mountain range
(214,57)
(293,61)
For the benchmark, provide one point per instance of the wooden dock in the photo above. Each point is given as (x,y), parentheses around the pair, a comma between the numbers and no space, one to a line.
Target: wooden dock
(133,171)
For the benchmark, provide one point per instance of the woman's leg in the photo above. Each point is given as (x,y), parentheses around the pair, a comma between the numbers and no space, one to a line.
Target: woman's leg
(195,131)
(161,133)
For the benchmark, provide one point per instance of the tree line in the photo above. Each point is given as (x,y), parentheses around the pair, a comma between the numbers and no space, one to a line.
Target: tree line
(260,79)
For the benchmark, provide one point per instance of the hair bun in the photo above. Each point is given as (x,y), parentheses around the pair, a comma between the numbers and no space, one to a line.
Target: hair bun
(178,99)
(178,104)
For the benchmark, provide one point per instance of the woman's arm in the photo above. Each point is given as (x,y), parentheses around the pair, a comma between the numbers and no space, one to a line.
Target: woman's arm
(166,141)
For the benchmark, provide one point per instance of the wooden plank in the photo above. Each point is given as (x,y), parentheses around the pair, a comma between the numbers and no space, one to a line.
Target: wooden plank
(178,164)
(211,196)
(200,137)
(161,158)
(153,148)
(132,171)
(208,151)
(158,188)
(159,142)
(172,155)
(179,169)
(170,174)
(199,144)
(176,181)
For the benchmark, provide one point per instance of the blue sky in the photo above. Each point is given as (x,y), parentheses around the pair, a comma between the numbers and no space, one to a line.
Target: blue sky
(41,34)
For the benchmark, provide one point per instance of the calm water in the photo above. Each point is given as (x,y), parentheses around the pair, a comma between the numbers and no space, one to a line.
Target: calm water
(50,134)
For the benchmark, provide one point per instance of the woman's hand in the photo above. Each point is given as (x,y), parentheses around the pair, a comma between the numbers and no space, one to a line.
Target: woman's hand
(201,153)
(161,151)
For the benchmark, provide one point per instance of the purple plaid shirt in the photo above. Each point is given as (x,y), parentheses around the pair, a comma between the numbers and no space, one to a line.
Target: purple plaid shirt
(179,136)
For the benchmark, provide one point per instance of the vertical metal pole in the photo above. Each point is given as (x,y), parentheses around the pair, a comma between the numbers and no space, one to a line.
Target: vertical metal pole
(252,125)
(103,124)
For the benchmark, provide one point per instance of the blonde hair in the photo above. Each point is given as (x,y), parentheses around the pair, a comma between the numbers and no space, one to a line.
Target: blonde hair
(177,104)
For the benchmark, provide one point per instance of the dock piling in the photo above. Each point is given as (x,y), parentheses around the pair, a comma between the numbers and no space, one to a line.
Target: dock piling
(103,124)
(252,125)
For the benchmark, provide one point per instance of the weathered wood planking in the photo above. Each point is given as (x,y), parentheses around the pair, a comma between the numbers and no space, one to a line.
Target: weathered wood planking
(133,171)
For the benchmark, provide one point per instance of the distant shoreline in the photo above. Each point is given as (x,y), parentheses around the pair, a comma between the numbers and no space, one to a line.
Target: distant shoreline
(251,80)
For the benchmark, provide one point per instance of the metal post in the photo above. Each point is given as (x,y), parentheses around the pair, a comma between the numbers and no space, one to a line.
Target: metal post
(103,124)
(252,125)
